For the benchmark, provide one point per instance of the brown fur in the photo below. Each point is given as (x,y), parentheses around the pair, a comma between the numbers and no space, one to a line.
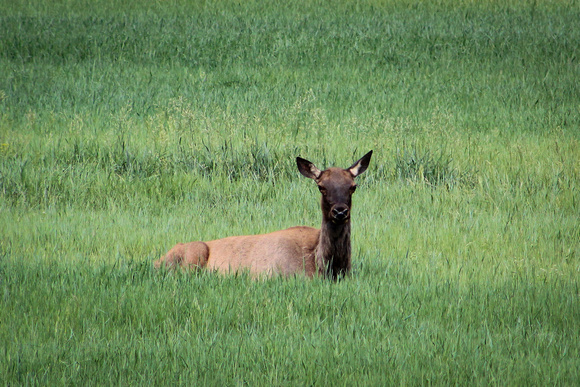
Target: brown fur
(296,250)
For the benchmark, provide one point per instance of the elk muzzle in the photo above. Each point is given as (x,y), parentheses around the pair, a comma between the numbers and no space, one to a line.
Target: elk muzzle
(340,213)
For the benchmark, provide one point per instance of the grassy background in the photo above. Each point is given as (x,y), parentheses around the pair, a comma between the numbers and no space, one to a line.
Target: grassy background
(126,127)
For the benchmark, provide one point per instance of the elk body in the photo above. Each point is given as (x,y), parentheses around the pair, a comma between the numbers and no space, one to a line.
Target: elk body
(296,250)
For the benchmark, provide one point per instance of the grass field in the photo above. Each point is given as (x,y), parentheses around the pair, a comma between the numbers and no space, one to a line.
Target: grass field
(128,126)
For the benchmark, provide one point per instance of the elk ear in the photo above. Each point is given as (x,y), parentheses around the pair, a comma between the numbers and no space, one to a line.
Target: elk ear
(361,165)
(307,169)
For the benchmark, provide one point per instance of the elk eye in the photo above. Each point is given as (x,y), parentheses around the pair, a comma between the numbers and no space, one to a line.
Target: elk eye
(353,188)
(322,190)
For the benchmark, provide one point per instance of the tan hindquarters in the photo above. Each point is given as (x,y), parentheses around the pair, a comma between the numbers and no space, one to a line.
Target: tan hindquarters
(186,255)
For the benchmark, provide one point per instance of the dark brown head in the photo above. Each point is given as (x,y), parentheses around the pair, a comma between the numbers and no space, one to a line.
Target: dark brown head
(336,186)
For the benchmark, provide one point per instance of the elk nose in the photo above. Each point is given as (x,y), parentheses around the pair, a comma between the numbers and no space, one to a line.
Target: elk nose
(340,212)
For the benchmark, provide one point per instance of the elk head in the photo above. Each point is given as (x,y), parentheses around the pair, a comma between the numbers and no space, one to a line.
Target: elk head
(336,186)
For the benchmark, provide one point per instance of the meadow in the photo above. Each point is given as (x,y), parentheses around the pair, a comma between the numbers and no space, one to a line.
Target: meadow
(129,126)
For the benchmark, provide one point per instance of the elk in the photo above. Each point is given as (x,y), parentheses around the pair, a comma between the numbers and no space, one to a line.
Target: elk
(296,250)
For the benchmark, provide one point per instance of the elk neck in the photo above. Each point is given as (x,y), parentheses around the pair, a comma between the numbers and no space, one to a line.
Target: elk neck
(333,250)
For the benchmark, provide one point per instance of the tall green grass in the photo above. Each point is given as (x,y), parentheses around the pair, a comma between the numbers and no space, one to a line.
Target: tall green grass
(126,127)
(123,323)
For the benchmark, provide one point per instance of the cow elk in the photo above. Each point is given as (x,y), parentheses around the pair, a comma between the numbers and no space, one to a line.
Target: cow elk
(296,250)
